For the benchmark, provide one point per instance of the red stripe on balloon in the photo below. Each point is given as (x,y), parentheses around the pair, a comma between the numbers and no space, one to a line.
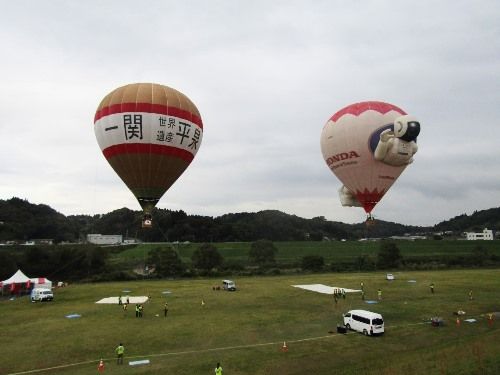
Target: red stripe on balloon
(359,108)
(148,108)
(369,199)
(147,148)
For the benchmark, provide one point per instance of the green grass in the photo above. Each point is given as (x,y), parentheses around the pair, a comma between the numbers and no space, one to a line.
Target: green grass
(332,252)
(253,323)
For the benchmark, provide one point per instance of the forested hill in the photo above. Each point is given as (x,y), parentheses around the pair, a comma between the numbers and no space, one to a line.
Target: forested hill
(22,221)
(476,222)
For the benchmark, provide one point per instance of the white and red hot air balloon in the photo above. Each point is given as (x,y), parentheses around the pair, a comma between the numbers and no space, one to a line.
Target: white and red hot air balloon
(367,146)
(149,134)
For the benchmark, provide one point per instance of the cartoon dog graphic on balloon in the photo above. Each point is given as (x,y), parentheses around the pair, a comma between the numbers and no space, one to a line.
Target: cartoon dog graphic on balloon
(396,147)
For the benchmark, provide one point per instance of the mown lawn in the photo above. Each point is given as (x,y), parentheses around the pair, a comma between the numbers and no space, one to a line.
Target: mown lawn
(245,330)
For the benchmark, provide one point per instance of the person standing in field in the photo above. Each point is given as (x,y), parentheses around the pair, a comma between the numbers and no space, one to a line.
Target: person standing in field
(432,288)
(120,350)
(218,369)
(490,319)
(165,309)
(470,295)
(379,292)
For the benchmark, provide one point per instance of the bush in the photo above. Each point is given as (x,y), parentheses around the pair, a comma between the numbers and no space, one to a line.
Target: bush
(313,263)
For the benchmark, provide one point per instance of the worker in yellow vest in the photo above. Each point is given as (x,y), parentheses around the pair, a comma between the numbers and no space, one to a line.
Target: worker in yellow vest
(218,369)
(120,350)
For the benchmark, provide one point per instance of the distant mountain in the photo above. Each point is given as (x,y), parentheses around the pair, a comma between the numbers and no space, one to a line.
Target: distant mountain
(21,221)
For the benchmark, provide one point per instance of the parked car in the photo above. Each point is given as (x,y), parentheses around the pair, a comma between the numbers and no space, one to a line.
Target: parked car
(228,285)
(389,276)
(41,294)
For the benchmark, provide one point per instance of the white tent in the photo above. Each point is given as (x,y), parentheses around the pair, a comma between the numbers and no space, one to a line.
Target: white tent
(42,282)
(20,278)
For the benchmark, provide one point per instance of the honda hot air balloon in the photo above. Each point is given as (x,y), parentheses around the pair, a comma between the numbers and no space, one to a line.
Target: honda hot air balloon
(149,133)
(367,146)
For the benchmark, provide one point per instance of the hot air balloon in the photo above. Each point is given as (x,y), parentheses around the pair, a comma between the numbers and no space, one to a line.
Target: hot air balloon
(367,146)
(149,134)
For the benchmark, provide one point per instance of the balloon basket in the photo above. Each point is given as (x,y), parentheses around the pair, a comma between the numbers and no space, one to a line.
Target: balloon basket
(370,221)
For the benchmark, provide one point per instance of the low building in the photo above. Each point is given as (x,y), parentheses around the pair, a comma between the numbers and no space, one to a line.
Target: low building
(105,239)
(486,234)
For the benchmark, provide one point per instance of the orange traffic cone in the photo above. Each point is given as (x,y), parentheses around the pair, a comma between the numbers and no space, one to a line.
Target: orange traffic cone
(100,368)
(284,348)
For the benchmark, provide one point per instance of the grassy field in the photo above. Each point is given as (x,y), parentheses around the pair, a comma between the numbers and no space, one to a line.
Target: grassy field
(335,251)
(245,330)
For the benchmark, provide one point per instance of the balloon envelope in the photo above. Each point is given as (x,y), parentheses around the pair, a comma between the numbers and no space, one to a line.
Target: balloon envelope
(149,134)
(348,142)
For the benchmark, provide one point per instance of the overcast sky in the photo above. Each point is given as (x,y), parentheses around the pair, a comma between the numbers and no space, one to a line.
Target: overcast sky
(265,76)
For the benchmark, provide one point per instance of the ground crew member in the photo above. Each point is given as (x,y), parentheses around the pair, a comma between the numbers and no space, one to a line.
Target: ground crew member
(165,309)
(490,319)
(218,369)
(120,349)
(432,288)
(100,366)
(362,294)
(362,285)
(136,310)
(470,295)
(119,300)
(343,293)
(379,292)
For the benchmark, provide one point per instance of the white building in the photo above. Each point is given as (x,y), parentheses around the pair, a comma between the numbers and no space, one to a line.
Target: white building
(486,234)
(105,239)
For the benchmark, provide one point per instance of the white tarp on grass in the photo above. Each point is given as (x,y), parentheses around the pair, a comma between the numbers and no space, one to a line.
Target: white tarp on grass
(114,300)
(325,289)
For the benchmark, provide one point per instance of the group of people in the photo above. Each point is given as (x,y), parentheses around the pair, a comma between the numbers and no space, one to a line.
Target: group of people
(139,310)
(338,293)
(120,301)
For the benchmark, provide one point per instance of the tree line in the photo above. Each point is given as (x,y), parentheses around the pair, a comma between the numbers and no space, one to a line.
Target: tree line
(22,221)
(92,263)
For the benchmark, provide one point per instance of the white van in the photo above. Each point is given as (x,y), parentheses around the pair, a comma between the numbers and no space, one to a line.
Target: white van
(41,294)
(367,322)
(228,285)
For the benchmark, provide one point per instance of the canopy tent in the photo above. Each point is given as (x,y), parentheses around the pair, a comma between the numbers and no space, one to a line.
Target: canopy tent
(20,281)
(42,282)
(18,278)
